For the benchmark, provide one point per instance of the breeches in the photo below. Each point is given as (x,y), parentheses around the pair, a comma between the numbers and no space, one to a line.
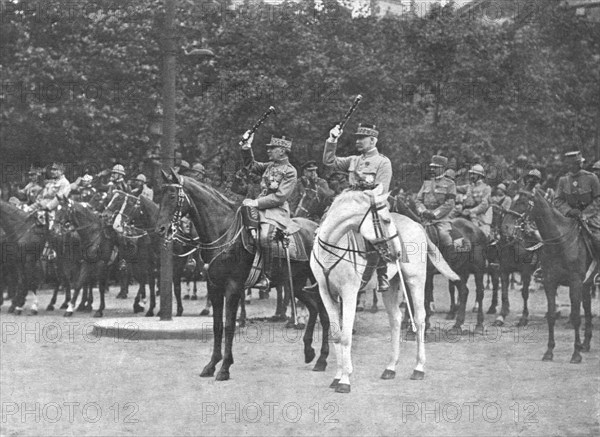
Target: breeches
(443,230)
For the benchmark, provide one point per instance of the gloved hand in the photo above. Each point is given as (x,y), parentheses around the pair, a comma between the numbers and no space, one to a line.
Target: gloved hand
(574,213)
(253,203)
(428,215)
(335,133)
(247,139)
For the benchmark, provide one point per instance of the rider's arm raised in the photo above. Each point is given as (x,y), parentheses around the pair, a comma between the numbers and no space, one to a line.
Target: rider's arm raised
(335,162)
(250,163)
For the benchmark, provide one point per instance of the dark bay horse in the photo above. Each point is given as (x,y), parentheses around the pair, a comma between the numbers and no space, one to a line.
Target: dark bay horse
(470,261)
(23,244)
(565,261)
(219,228)
(97,242)
(511,253)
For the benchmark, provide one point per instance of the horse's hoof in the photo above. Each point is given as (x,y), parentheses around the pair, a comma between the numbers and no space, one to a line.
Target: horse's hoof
(88,308)
(50,307)
(194,297)
(585,347)
(33,313)
(11,309)
(492,310)
(68,314)
(479,329)
(417,375)
(373,309)
(179,312)
(334,383)
(475,309)
(64,306)
(242,323)
(207,372)
(204,312)
(18,312)
(309,355)
(122,295)
(98,314)
(80,308)
(498,322)
(450,316)
(388,374)
(320,366)
(138,309)
(342,388)
(150,313)
(548,356)
(223,375)
(576,358)
(186,297)
(360,309)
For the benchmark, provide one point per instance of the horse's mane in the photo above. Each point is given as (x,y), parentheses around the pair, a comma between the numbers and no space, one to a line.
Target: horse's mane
(210,191)
(348,195)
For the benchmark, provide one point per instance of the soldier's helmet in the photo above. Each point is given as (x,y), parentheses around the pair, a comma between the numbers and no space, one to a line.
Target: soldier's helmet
(199,168)
(141,177)
(596,166)
(184,164)
(478,170)
(535,173)
(87,178)
(119,169)
(501,187)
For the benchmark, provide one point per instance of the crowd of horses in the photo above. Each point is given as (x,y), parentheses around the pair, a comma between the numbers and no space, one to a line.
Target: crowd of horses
(127,233)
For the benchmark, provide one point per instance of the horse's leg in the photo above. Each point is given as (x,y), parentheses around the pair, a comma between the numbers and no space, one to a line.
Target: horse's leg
(550,289)
(453,304)
(587,309)
(463,296)
(149,268)
(178,267)
(217,299)
(206,310)
(391,300)
(575,295)
(479,291)
(526,279)
(334,327)
(242,312)
(348,315)
(309,352)
(504,280)
(233,293)
(321,363)
(428,297)
(84,273)
(495,286)
(102,286)
(374,305)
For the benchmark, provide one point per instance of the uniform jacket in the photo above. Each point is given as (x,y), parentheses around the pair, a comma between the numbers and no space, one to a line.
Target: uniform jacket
(30,192)
(581,191)
(54,187)
(368,162)
(277,184)
(503,202)
(477,199)
(437,195)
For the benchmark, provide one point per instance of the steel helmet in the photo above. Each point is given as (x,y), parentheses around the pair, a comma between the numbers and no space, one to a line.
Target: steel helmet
(141,177)
(477,169)
(184,164)
(199,168)
(596,166)
(535,173)
(118,168)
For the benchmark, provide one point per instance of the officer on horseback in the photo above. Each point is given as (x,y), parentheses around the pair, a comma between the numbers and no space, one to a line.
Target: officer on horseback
(435,200)
(477,199)
(56,185)
(82,189)
(139,187)
(367,170)
(30,192)
(532,180)
(116,181)
(309,180)
(279,178)
(578,196)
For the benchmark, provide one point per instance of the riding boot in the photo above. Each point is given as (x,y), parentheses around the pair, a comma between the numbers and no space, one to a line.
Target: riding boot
(383,284)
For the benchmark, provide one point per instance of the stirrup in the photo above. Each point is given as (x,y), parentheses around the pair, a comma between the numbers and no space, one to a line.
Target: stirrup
(263,284)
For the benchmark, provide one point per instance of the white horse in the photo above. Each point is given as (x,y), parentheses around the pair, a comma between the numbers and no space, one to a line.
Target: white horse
(338,266)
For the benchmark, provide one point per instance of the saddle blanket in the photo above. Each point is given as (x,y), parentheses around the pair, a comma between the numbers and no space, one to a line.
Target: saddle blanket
(275,248)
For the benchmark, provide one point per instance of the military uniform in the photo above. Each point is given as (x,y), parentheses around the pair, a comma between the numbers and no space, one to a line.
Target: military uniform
(83,194)
(357,166)
(30,192)
(54,187)
(438,195)
(477,200)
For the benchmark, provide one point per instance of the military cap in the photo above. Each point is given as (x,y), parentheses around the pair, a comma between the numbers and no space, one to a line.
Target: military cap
(535,173)
(438,161)
(284,142)
(501,187)
(310,165)
(574,156)
(366,130)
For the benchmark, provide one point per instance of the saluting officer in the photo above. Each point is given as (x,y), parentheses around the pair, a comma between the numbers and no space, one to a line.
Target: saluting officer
(367,169)
(279,178)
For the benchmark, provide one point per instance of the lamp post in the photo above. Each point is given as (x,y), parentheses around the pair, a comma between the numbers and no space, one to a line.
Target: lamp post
(168,144)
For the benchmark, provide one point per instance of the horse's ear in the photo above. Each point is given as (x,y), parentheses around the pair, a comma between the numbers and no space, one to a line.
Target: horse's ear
(165,176)
(176,177)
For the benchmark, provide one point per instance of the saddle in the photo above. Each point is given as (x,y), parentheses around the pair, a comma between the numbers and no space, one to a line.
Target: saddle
(461,243)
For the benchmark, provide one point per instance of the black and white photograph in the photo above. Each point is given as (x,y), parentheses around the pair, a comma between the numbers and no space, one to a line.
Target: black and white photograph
(300,218)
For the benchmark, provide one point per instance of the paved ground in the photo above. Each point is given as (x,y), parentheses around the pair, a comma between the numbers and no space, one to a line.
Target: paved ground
(58,379)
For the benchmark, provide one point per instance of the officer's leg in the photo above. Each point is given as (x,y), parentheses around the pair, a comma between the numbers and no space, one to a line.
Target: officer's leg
(264,245)
(383,284)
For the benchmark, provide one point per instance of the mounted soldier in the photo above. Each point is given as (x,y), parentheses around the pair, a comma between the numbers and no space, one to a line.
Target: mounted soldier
(29,193)
(279,178)
(500,204)
(368,169)
(139,187)
(435,200)
(82,189)
(477,199)
(116,181)
(578,197)
(596,169)
(310,182)
(56,185)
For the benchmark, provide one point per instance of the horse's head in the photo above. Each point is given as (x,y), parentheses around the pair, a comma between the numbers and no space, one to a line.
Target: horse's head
(174,204)
(515,220)
(365,212)
(71,215)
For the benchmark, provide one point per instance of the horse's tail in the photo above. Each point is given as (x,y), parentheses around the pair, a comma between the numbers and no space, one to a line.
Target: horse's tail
(438,261)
